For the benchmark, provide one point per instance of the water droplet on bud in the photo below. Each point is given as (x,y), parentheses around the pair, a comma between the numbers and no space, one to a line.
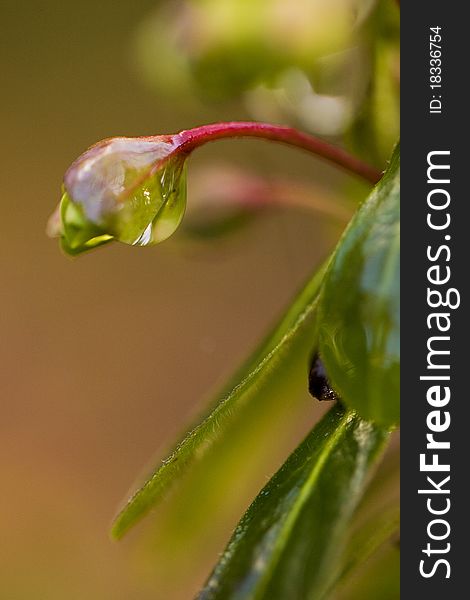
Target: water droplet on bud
(123,189)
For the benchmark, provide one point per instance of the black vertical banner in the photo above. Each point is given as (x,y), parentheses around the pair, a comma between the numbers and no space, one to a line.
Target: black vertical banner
(435,265)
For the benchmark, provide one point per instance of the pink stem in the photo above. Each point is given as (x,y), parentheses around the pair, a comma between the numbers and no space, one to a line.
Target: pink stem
(193,138)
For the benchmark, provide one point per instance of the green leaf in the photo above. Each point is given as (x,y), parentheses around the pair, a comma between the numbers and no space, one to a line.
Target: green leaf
(199,513)
(359,309)
(375,525)
(294,331)
(377,125)
(379,577)
(289,543)
(379,529)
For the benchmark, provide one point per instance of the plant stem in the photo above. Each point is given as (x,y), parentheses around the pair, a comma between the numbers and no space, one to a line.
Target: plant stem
(193,138)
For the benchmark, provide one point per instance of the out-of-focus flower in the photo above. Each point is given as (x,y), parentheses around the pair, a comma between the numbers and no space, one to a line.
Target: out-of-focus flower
(222,48)
(328,66)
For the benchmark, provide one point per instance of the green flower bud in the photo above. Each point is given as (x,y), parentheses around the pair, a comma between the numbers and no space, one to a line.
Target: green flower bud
(127,189)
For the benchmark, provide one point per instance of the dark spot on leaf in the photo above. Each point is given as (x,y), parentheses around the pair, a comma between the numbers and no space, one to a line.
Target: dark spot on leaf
(318,384)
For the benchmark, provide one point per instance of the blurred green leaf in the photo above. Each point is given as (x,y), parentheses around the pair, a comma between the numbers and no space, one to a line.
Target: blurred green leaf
(199,513)
(359,312)
(377,126)
(379,578)
(379,529)
(296,327)
(289,542)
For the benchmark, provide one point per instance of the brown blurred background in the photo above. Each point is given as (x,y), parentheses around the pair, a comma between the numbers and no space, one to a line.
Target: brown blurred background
(106,357)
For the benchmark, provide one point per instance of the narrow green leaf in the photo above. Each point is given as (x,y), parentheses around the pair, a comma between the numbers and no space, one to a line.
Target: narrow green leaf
(375,526)
(294,329)
(359,310)
(379,529)
(379,577)
(289,543)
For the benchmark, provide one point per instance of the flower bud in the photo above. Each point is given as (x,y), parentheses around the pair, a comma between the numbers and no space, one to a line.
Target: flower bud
(127,189)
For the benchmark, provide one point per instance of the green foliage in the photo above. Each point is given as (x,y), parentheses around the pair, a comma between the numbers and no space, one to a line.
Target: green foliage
(377,532)
(291,541)
(291,337)
(379,577)
(303,537)
(288,544)
(359,311)
(377,126)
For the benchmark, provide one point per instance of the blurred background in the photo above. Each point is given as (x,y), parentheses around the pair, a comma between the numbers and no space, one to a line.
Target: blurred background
(106,358)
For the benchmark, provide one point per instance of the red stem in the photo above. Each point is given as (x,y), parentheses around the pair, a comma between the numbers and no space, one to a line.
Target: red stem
(193,138)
